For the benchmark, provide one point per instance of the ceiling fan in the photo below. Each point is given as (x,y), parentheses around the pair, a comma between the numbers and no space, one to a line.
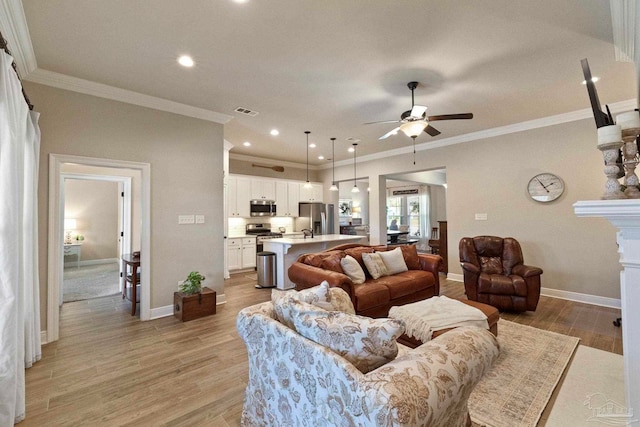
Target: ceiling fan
(414,121)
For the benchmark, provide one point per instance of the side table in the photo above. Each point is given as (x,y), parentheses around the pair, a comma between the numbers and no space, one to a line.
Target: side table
(131,279)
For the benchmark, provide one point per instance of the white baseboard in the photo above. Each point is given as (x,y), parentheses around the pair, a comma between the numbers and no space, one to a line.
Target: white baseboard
(157,313)
(43,337)
(167,310)
(578,297)
(568,295)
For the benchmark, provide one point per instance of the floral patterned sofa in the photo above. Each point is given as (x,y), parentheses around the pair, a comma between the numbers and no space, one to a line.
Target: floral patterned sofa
(294,381)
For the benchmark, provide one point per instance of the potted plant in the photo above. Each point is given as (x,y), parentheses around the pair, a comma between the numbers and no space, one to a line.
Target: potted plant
(193,283)
(193,301)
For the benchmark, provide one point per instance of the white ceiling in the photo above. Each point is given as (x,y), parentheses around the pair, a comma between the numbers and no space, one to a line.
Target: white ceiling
(329,66)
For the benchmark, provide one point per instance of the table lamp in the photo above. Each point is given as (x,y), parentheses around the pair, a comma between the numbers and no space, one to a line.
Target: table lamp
(70,224)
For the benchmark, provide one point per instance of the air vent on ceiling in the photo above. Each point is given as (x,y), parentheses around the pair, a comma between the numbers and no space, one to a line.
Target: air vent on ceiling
(352,139)
(246,111)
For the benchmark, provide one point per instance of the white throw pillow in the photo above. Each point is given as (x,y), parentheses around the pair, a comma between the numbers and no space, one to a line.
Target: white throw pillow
(394,261)
(352,269)
(374,264)
(365,342)
(341,301)
(320,296)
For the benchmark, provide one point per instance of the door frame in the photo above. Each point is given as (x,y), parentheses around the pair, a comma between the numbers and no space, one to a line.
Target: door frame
(124,211)
(56,232)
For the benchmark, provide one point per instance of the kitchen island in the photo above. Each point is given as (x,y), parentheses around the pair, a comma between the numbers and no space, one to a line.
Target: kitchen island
(288,249)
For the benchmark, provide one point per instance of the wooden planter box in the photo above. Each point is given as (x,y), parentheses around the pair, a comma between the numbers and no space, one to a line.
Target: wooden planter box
(189,307)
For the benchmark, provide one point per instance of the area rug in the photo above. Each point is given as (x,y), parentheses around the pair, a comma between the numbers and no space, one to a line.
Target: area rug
(517,388)
(91,281)
(592,388)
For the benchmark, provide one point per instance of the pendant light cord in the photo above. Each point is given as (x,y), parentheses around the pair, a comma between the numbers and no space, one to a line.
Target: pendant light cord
(354,164)
(333,158)
(307,132)
(414,149)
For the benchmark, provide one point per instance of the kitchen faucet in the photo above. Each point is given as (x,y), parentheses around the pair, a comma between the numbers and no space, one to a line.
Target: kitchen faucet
(307,232)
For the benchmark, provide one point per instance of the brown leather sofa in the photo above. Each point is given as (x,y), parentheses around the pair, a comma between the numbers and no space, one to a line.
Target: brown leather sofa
(374,297)
(495,274)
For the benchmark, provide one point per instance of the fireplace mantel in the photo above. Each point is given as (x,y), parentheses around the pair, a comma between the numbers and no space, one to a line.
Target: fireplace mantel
(625,216)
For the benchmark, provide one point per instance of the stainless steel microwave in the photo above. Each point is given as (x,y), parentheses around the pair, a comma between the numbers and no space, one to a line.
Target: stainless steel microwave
(261,207)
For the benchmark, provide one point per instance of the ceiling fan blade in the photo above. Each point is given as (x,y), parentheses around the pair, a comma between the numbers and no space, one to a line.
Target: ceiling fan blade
(383,121)
(432,131)
(451,117)
(418,111)
(391,132)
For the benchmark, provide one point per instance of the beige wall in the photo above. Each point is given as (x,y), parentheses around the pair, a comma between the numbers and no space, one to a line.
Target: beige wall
(186,158)
(438,205)
(94,205)
(490,176)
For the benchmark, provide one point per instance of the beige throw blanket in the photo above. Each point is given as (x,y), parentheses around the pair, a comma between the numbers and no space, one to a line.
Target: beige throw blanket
(422,318)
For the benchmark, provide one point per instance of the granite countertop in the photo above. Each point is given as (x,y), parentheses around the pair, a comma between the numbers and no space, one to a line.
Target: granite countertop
(299,240)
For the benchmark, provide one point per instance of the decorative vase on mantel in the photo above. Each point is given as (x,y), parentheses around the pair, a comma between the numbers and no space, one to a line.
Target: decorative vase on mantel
(629,123)
(609,142)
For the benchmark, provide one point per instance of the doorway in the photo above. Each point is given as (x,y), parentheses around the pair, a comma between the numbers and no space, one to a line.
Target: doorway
(416,201)
(97,222)
(117,170)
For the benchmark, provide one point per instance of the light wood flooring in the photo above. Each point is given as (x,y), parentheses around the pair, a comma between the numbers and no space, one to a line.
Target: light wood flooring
(110,369)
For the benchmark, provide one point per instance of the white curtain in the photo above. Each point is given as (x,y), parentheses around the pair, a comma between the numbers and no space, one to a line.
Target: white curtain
(20,344)
(425,220)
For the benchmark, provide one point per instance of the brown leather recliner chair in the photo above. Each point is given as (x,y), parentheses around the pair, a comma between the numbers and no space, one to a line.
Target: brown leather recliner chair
(495,274)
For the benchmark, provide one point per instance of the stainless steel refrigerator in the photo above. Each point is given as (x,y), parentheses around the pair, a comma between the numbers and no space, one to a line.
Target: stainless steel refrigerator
(317,217)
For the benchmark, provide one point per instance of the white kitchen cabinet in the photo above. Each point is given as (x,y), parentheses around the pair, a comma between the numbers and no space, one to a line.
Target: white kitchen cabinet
(313,194)
(241,253)
(248,252)
(263,189)
(238,196)
(287,198)
(234,254)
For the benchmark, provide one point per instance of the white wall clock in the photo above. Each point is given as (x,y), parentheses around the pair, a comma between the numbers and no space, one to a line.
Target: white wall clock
(545,187)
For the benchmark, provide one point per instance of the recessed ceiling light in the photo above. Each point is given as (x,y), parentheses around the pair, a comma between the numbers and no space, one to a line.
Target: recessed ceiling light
(241,1)
(593,79)
(186,61)
(320,157)
(246,144)
(275,132)
(351,150)
(312,145)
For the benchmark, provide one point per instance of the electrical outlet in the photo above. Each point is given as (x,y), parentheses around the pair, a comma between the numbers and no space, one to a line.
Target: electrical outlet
(199,219)
(186,219)
(481,217)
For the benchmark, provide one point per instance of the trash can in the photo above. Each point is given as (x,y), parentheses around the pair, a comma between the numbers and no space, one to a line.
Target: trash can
(266,269)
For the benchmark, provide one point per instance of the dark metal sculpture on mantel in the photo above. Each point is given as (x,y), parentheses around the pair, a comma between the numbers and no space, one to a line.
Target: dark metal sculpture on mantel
(602,119)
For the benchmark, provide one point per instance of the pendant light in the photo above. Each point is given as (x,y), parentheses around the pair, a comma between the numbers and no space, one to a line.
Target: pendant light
(355,188)
(333,187)
(307,184)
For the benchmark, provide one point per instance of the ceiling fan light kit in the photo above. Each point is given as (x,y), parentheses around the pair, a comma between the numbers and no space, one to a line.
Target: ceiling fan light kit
(414,129)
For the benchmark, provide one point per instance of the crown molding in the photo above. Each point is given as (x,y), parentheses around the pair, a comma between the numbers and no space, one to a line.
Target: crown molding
(14,28)
(74,84)
(573,116)
(246,158)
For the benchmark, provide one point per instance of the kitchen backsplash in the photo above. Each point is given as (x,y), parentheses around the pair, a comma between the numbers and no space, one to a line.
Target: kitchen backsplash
(238,226)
